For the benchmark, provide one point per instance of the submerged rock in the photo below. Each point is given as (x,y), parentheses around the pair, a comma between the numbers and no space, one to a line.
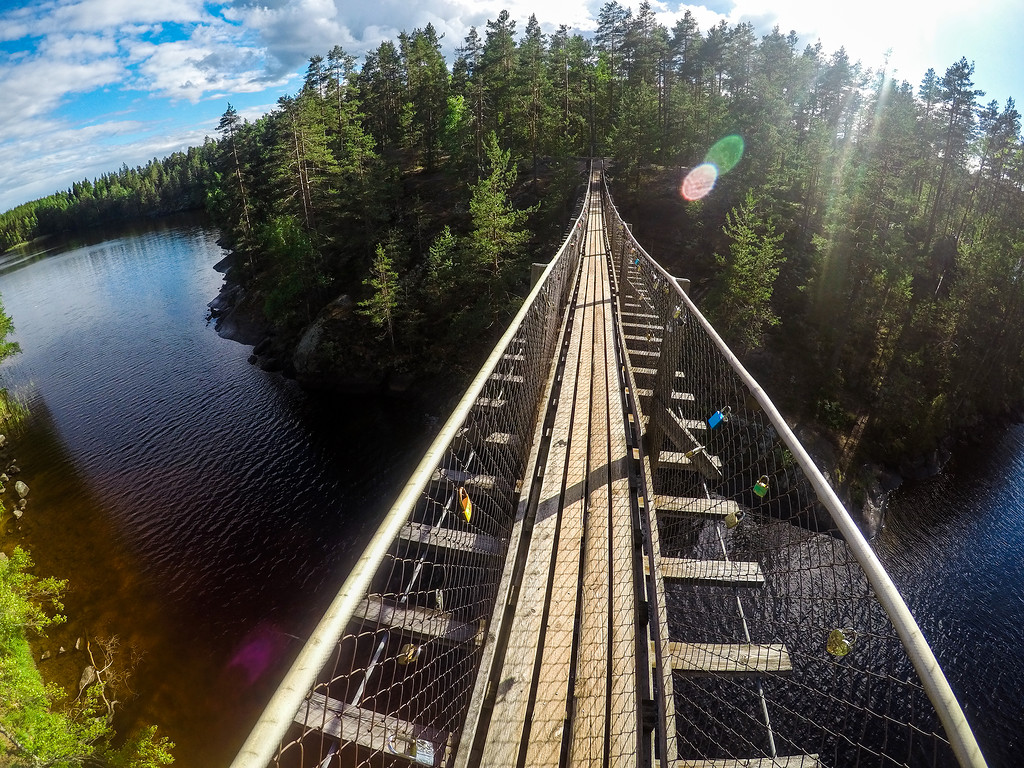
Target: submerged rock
(21,489)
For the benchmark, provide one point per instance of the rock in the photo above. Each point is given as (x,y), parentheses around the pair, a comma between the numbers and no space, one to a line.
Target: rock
(88,677)
(18,512)
(3,557)
(270,364)
(4,478)
(23,504)
(61,650)
(21,489)
(45,656)
(13,469)
(263,347)
(3,440)
(78,644)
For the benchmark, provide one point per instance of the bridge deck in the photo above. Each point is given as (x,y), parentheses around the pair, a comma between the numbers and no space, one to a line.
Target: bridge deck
(568,676)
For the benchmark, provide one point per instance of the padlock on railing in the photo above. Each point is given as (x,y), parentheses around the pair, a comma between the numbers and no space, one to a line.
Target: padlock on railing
(410,653)
(465,504)
(761,486)
(734,518)
(419,751)
(840,642)
(719,416)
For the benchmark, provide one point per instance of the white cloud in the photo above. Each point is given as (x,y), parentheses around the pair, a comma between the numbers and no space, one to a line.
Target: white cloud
(34,87)
(209,60)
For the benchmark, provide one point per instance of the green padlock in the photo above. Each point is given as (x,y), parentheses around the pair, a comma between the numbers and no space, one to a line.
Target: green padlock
(840,642)
(761,486)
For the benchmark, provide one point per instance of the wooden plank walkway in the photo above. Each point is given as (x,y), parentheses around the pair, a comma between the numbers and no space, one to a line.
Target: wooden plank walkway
(568,680)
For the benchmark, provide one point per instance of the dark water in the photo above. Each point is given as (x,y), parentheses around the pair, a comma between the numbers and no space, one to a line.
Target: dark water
(204,511)
(954,545)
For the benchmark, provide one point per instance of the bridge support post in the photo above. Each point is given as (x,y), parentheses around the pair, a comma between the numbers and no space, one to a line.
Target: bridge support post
(683,283)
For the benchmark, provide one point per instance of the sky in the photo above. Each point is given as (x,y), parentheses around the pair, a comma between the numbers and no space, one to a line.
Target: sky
(89,85)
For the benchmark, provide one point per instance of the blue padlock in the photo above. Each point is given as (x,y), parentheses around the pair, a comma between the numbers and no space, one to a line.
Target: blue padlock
(719,416)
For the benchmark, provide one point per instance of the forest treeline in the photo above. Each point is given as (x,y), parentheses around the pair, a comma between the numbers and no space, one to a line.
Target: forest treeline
(175,183)
(865,254)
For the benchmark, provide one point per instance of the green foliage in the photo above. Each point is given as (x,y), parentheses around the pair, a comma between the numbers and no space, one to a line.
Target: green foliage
(743,301)
(382,306)
(44,725)
(497,240)
(7,348)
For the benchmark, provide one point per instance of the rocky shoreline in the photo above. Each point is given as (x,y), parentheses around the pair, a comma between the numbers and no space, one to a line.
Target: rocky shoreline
(312,360)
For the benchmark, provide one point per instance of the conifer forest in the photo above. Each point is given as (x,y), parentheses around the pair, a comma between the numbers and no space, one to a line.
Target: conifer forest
(864,257)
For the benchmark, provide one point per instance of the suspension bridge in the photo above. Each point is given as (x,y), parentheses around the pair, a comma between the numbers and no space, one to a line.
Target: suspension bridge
(615,553)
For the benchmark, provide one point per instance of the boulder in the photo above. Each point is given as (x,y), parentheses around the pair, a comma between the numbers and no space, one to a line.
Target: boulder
(21,489)
(18,512)
(3,440)
(88,677)
(45,656)
(4,478)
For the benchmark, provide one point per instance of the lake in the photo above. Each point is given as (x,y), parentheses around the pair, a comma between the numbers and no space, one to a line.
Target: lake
(199,506)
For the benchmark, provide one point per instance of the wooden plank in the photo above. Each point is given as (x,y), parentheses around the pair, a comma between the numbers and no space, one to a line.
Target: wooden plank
(590,690)
(469,437)
(729,658)
(624,731)
(716,571)
(551,700)
(508,719)
(490,402)
(510,378)
(676,427)
(789,761)
(650,340)
(668,506)
(387,734)
(676,460)
(423,622)
(644,352)
(680,396)
(449,538)
(468,479)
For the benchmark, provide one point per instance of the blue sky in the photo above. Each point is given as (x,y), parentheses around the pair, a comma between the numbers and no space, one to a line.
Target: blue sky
(86,85)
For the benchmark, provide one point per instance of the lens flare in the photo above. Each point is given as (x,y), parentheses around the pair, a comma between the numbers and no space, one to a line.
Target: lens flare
(725,154)
(699,181)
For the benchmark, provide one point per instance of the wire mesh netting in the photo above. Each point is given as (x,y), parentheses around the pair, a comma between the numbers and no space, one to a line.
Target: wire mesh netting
(399,681)
(772,642)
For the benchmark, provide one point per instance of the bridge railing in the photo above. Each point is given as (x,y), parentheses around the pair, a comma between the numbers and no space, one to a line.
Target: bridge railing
(864,687)
(389,672)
